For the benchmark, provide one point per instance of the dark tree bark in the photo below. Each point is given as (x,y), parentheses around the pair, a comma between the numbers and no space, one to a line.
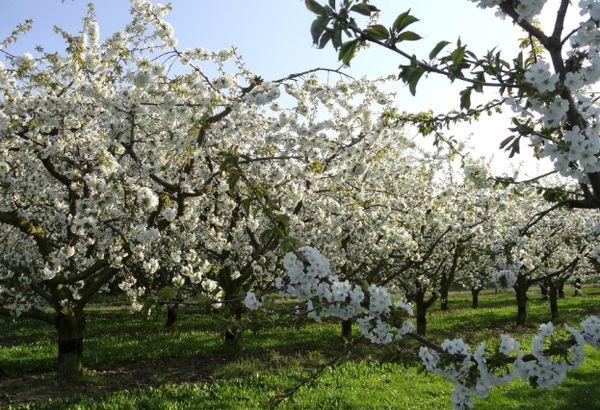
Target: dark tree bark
(448,278)
(444,290)
(422,305)
(232,341)
(544,290)
(561,289)
(521,294)
(172,313)
(475,298)
(70,329)
(577,286)
(232,338)
(421,323)
(553,293)
(346,332)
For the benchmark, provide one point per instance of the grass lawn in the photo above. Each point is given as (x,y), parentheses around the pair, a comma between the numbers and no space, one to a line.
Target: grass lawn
(138,364)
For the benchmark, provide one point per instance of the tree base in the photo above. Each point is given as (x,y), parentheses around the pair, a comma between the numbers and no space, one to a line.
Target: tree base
(70,364)
(346,333)
(232,344)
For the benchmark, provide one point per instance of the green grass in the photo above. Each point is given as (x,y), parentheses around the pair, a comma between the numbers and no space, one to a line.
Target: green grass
(136,363)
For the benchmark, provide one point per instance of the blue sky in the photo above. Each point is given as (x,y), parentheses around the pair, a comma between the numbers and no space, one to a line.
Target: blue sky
(273,36)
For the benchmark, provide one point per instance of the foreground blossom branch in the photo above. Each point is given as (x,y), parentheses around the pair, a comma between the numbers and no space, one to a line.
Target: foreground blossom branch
(382,321)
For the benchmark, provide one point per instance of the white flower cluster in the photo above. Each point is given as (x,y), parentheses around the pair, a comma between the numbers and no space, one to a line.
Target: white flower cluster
(591,7)
(251,301)
(151,266)
(24,62)
(574,149)
(507,277)
(224,82)
(544,370)
(458,371)
(540,77)
(264,94)
(484,4)
(526,9)
(147,199)
(178,281)
(591,331)
(309,277)
(127,285)
(549,371)
(583,149)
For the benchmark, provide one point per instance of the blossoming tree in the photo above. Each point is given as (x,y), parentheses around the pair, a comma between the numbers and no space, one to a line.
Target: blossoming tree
(112,167)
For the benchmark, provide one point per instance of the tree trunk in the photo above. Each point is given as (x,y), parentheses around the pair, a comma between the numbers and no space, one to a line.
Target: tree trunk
(346,333)
(233,342)
(448,278)
(444,288)
(233,334)
(577,286)
(561,290)
(521,295)
(553,293)
(172,317)
(70,329)
(475,298)
(544,290)
(421,314)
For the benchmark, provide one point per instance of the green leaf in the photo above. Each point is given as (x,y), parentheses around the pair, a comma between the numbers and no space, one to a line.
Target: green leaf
(232,179)
(515,148)
(408,36)
(480,77)
(315,7)
(471,54)
(317,28)
(166,293)
(362,8)
(246,202)
(347,51)
(324,39)
(458,56)
(336,38)
(402,21)
(298,207)
(506,141)
(411,74)
(412,85)
(283,219)
(465,98)
(438,47)
(377,32)
(286,245)
(265,236)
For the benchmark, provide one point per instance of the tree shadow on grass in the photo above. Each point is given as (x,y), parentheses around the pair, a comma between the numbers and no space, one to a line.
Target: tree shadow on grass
(123,362)
(38,388)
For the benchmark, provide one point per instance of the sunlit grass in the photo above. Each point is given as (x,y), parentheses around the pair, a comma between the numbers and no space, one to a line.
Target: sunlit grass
(275,360)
